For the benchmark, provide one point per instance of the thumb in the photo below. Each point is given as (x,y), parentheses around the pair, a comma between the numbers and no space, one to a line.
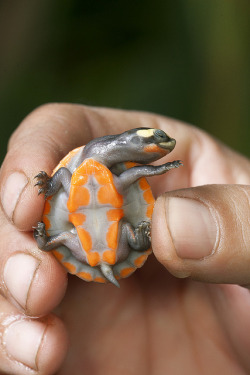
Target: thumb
(204,233)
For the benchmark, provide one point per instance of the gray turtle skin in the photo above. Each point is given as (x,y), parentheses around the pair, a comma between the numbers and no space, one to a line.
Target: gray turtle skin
(141,146)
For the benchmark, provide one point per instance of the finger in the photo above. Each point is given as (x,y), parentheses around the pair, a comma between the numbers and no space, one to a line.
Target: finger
(30,279)
(38,144)
(204,233)
(30,345)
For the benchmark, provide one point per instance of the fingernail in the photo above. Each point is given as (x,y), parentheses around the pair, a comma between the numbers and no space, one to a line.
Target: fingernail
(192,228)
(11,192)
(22,340)
(19,272)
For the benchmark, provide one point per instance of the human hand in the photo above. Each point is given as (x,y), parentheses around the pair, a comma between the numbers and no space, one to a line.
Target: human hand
(154,321)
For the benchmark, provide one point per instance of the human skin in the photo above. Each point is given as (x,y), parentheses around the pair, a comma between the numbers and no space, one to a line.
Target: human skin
(185,312)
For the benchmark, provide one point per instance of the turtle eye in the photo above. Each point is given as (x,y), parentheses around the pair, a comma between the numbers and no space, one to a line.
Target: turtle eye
(160,135)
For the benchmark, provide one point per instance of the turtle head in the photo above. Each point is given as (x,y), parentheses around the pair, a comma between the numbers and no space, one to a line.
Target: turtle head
(140,145)
(144,145)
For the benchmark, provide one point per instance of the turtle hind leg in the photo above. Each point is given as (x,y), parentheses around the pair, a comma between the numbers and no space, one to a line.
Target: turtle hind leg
(67,238)
(139,237)
(45,242)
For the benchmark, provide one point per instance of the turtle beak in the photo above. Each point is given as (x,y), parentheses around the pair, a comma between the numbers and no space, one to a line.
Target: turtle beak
(169,145)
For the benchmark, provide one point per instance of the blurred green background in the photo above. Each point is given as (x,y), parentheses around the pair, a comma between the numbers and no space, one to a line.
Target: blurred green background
(187,59)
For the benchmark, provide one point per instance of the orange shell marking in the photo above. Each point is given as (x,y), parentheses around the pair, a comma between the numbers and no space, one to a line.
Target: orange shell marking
(148,196)
(79,196)
(141,260)
(85,276)
(69,267)
(107,195)
(115,214)
(46,211)
(125,272)
(65,161)
(100,279)
(77,218)
(109,256)
(58,255)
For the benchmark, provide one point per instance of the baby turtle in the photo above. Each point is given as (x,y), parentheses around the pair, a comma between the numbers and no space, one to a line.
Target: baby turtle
(98,205)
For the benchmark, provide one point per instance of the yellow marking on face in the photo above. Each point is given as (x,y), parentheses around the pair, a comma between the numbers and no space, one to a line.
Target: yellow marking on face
(168,145)
(145,132)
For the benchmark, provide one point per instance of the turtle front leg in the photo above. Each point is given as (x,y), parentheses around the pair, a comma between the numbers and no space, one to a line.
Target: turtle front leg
(138,238)
(50,185)
(131,175)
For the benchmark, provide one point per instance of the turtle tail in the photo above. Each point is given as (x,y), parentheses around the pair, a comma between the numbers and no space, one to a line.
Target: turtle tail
(108,274)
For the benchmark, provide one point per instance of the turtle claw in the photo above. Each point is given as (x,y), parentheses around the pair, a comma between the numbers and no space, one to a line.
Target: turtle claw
(43,181)
(39,183)
(41,174)
(177,164)
(39,230)
(143,234)
(173,164)
(40,191)
(40,235)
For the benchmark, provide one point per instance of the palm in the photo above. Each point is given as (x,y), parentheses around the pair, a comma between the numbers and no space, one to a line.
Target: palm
(148,325)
